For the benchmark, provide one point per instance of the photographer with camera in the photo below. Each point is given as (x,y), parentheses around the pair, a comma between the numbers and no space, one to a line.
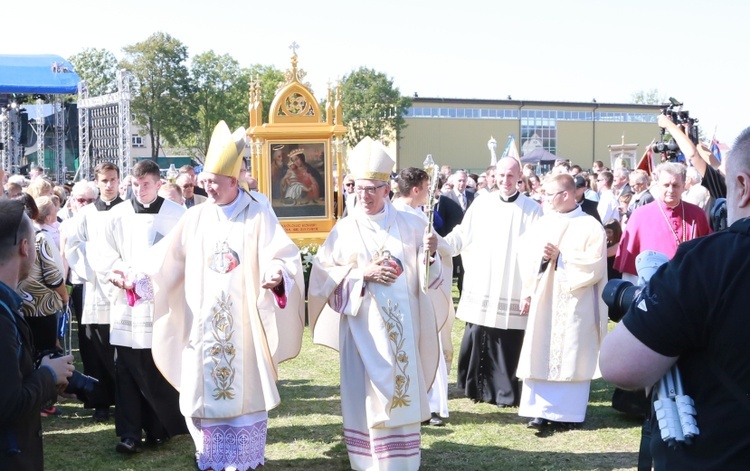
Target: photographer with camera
(25,388)
(713,180)
(694,313)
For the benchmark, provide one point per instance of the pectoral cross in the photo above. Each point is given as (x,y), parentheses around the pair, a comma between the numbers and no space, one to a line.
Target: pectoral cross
(220,261)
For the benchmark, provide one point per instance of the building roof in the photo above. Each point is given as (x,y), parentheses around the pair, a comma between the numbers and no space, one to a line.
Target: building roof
(43,74)
(530,103)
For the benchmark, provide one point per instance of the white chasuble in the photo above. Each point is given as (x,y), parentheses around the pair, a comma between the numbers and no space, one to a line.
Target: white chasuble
(219,336)
(383,333)
(487,240)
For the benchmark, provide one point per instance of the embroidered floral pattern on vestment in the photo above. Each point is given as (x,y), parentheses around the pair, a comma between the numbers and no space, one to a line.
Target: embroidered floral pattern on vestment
(392,320)
(222,352)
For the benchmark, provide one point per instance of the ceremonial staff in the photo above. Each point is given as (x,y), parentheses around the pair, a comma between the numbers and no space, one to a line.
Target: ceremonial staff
(433,174)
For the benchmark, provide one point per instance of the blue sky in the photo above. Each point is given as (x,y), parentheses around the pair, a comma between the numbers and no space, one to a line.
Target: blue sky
(544,50)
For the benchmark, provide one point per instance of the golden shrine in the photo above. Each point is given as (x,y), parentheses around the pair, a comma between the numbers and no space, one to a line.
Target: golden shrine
(297,155)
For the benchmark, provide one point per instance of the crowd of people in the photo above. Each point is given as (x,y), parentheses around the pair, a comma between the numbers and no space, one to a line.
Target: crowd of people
(184,328)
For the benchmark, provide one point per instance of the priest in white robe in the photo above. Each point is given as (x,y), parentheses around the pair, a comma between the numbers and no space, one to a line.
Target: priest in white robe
(366,300)
(229,307)
(491,302)
(144,400)
(88,230)
(564,265)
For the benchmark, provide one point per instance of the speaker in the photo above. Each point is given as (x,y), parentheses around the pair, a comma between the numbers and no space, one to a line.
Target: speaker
(28,133)
(71,117)
(24,119)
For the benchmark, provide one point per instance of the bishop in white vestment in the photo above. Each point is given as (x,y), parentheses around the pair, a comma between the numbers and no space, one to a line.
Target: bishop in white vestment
(366,301)
(229,307)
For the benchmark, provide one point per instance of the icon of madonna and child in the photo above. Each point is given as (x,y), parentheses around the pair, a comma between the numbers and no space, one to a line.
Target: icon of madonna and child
(297,183)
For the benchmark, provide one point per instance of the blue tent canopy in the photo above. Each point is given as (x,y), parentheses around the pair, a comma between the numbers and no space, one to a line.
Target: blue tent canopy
(43,74)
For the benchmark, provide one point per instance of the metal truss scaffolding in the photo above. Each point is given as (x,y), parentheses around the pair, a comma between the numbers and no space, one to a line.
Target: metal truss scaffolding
(104,127)
(11,150)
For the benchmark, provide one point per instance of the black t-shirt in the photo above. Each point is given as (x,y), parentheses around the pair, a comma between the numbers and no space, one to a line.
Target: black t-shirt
(697,307)
(715,183)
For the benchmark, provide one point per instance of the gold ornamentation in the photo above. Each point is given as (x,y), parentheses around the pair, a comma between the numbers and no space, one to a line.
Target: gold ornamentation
(223,351)
(395,330)
(296,103)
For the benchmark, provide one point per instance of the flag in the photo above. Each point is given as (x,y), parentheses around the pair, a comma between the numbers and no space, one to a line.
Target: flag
(715,149)
(511,150)
(647,162)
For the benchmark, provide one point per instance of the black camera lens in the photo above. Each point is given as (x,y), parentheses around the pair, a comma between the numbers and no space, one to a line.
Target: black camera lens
(618,295)
(80,385)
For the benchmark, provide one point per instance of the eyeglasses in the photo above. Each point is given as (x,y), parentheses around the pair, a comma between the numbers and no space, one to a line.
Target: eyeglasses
(187,186)
(552,195)
(349,184)
(85,200)
(370,190)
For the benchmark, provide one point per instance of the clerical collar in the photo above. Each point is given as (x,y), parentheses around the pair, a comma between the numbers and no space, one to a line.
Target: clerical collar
(377,220)
(102,205)
(671,208)
(511,198)
(228,208)
(573,212)
(147,208)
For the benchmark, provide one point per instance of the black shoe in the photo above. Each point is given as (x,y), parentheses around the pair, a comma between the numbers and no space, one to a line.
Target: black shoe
(567,425)
(152,442)
(538,422)
(101,415)
(435,420)
(128,446)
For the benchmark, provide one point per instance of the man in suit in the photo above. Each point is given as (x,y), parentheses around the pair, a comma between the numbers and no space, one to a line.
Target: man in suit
(448,212)
(620,184)
(459,194)
(639,182)
(191,171)
(464,199)
(589,207)
(187,186)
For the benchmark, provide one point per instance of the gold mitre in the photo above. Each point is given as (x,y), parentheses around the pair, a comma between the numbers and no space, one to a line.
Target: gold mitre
(370,160)
(224,156)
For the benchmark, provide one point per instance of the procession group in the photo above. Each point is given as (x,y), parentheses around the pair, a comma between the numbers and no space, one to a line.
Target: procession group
(189,296)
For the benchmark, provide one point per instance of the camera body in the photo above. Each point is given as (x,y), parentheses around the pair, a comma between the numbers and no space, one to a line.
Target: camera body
(78,384)
(667,146)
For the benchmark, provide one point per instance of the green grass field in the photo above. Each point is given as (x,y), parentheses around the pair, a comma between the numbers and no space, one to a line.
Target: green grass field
(305,432)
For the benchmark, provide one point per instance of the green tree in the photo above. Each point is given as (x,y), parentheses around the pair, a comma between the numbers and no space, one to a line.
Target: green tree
(270,79)
(162,93)
(98,68)
(647,97)
(372,106)
(220,93)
